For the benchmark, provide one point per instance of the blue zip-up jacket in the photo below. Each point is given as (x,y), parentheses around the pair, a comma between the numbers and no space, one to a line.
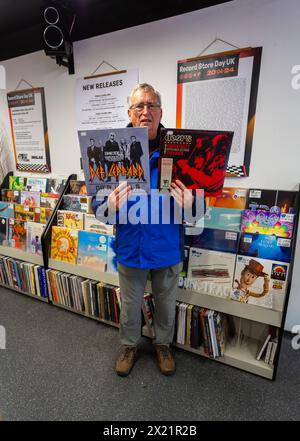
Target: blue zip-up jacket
(150,245)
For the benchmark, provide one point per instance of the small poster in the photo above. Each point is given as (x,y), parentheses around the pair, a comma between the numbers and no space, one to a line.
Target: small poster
(102,100)
(27,114)
(219,92)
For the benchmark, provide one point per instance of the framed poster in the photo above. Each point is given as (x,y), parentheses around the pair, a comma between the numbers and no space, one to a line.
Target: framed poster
(219,92)
(27,114)
(102,100)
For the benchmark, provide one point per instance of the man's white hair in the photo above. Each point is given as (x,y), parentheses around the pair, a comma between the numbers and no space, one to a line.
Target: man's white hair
(146,88)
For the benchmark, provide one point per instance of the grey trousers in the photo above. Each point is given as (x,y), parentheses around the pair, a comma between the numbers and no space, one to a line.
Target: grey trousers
(132,286)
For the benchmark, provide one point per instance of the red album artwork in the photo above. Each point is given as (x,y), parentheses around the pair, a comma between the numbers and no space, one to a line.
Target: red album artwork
(198,158)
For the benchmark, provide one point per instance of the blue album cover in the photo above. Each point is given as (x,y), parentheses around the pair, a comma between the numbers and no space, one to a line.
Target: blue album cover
(111,156)
(218,240)
(265,246)
(36,184)
(6,209)
(92,250)
(223,218)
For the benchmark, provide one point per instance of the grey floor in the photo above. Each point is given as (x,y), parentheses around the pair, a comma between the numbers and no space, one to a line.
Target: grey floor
(60,366)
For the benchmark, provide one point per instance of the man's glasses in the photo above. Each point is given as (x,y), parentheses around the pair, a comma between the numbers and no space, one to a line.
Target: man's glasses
(140,107)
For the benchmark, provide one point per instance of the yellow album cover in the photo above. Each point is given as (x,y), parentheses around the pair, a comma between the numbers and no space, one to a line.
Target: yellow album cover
(70,219)
(45,214)
(64,244)
(26,213)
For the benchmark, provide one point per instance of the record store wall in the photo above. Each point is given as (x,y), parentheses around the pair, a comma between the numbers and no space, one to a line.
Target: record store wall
(154,49)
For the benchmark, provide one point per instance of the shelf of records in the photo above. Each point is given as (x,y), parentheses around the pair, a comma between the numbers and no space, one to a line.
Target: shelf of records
(238,260)
(80,244)
(239,257)
(91,298)
(25,208)
(24,277)
(225,338)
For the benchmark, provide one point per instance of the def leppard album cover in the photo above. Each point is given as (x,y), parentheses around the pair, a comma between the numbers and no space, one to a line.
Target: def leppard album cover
(198,158)
(111,156)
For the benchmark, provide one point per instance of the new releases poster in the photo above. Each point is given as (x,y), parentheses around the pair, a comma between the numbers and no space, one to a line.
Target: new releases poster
(113,156)
(219,92)
(198,158)
(102,100)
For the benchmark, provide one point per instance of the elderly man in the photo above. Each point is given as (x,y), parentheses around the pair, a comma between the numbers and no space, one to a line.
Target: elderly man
(144,248)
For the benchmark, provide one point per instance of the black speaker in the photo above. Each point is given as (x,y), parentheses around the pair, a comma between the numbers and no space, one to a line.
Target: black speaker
(57,23)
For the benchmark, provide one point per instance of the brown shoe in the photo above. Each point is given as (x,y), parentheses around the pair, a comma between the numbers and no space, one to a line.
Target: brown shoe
(125,360)
(166,360)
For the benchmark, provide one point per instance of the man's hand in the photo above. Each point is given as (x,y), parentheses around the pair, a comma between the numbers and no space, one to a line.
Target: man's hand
(118,197)
(182,195)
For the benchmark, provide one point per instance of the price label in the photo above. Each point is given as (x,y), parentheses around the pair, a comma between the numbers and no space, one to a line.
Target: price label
(255,194)
(284,242)
(229,235)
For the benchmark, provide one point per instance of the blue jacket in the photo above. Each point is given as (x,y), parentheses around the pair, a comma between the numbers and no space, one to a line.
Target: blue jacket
(150,245)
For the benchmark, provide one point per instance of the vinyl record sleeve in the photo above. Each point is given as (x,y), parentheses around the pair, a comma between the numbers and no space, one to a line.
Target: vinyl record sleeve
(230,197)
(265,247)
(223,218)
(267,222)
(216,239)
(213,269)
(198,158)
(64,244)
(92,250)
(276,201)
(112,156)
(277,273)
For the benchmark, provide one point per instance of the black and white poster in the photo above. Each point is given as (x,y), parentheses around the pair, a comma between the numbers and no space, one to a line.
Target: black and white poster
(218,92)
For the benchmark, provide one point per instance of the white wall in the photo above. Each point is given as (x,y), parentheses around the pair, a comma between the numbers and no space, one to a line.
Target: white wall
(154,48)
